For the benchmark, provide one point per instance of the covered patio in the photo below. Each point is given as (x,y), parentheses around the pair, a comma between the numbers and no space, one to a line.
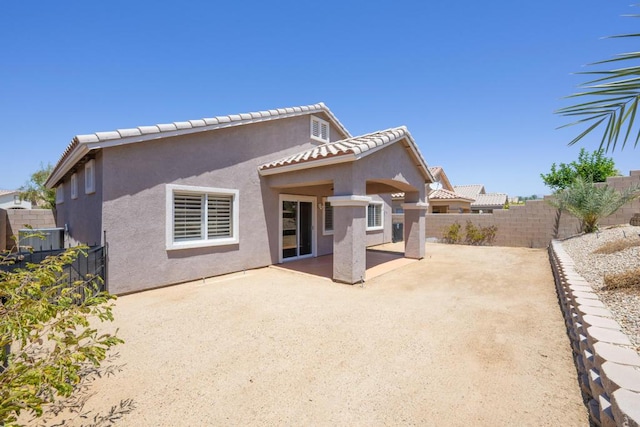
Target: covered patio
(349,174)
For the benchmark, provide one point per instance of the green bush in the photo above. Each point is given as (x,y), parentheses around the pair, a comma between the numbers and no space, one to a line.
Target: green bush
(473,235)
(452,234)
(47,341)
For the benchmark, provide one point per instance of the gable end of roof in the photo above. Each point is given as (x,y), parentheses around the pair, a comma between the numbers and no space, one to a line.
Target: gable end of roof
(80,145)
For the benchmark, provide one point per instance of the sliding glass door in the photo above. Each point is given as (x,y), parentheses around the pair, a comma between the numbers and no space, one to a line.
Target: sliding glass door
(297,219)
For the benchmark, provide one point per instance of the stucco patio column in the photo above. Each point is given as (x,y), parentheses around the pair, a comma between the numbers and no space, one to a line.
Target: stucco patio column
(414,228)
(349,237)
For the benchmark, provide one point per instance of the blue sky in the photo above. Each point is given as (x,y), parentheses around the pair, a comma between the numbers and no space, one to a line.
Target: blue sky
(475,82)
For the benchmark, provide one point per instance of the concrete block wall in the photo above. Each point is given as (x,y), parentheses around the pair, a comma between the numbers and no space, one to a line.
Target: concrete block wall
(608,367)
(12,220)
(533,224)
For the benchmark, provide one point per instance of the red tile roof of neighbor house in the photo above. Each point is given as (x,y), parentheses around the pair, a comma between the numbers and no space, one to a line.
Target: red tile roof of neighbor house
(443,194)
(98,140)
(469,190)
(348,150)
(490,200)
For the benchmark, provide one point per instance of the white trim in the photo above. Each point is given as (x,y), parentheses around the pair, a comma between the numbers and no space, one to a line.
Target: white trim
(314,239)
(376,227)
(74,186)
(77,153)
(169,192)
(349,200)
(60,193)
(417,205)
(326,232)
(90,177)
(343,158)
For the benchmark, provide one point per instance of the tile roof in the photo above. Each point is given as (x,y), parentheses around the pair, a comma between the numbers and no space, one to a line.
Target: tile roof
(349,149)
(435,170)
(443,194)
(469,190)
(490,199)
(143,133)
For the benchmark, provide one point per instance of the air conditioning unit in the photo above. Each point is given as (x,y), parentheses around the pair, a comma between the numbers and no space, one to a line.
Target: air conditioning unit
(40,239)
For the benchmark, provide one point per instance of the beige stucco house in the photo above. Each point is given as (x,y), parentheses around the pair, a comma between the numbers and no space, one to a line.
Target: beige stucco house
(186,200)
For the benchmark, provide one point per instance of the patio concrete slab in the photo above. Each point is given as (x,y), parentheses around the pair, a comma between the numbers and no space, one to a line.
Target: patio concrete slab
(466,336)
(380,260)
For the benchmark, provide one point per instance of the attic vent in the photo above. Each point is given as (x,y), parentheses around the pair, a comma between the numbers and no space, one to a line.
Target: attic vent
(319,129)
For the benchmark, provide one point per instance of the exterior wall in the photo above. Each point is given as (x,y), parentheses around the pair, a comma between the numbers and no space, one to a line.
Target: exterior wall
(82,216)
(532,224)
(134,192)
(12,220)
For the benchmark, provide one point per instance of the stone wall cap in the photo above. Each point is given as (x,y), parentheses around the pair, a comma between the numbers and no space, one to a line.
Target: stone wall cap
(626,406)
(617,354)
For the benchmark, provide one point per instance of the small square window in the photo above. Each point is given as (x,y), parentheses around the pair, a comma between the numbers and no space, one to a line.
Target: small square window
(374,216)
(89,177)
(319,129)
(74,186)
(327,225)
(60,194)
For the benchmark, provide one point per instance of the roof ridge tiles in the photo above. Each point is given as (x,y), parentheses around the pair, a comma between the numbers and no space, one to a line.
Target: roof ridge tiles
(187,126)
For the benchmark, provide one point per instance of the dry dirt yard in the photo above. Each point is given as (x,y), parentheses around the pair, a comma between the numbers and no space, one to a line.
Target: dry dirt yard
(467,336)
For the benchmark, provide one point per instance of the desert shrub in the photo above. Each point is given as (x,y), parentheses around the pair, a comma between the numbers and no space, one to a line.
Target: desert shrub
(489,234)
(480,235)
(47,342)
(451,233)
(627,280)
(617,246)
(473,235)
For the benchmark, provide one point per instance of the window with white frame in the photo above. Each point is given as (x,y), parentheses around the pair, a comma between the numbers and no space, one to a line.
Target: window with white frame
(201,216)
(327,227)
(60,194)
(74,186)
(89,177)
(374,216)
(319,129)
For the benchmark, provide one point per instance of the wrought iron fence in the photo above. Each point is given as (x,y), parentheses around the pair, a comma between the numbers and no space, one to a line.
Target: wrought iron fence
(90,268)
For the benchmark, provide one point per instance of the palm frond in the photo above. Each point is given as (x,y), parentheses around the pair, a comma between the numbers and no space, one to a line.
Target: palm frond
(617,94)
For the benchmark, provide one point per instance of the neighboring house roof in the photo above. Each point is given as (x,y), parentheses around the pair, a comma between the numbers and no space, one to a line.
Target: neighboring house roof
(469,190)
(490,200)
(80,145)
(443,194)
(441,176)
(347,150)
(5,192)
(435,170)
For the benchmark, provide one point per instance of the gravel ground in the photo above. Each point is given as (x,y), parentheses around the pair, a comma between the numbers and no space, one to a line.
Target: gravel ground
(623,303)
(466,336)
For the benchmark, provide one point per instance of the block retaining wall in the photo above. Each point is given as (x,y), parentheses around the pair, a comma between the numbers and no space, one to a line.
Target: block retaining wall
(608,367)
